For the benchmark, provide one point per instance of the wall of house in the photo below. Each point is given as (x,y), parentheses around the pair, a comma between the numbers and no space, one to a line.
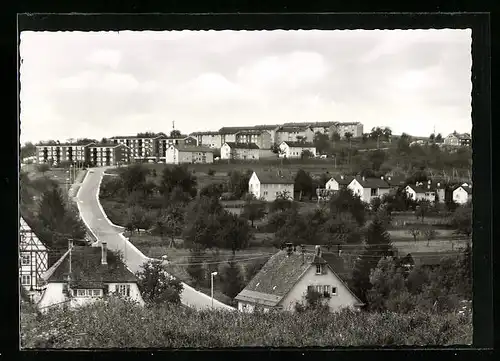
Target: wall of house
(211,140)
(269,191)
(356,188)
(460,196)
(343,298)
(265,141)
(284,150)
(441,194)
(246,154)
(332,184)
(225,152)
(200,157)
(254,186)
(135,294)
(52,295)
(172,156)
(38,265)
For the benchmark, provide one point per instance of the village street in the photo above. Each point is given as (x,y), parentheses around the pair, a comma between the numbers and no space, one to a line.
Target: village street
(94,217)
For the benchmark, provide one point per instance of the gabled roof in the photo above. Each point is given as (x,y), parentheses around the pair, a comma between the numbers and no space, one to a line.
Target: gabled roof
(461,136)
(372,182)
(87,270)
(422,188)
(192,148)
(298,144)
(252,131)
(397,180)
(266,126)
(205,133)
(343,179)
(232,130)
(29,241)
(465,188)
(274,178)
(279,275)
(242,145)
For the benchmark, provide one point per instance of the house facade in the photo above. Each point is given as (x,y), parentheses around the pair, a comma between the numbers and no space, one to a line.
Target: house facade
(462,194)
(141,148)
(178,154)
(33,259)
(86,274)
(355,128)
(102,155)
(421,191)
(240,151)
(287,277)
(368,188)
(338,182)
(208,139)
(260,137)
(228,134)
(55,154)
(458,139)
(290,149)
(270,128)
(268,185)
(162,144)
(294,134)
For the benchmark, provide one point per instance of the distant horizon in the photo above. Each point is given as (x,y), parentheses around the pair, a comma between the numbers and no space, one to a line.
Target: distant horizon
(103,84)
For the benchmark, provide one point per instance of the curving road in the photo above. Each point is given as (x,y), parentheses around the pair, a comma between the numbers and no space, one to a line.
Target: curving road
(104,231)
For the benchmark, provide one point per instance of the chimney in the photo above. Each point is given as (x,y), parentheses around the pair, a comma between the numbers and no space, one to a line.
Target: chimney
(439,184)
(428,186)
(389,178)
(104,253)
(429,181)
(363,178)
(70,247)
(341,177)
(289,249)
(339,249)
(318,251)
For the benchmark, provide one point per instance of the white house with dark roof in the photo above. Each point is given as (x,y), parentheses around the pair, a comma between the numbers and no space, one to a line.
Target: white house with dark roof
(458,139)
(286,278)
(462,194)
(179,154)
(268,185)
(427,191)
(242,151)
(368,188)
(289,149)
(338,182)
(86,274)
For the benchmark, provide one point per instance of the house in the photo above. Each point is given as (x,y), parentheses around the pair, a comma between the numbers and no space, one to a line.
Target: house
(271,129)
(355,128)
(142,147)
(458,139)
(86,274)
(268,185)
(294,134)
(228,134)
(177,154)
(260,137)
(209,139)
(291,149)
(162,144)
(286,278)
(34,259)
(369,188)
(108,154)
(395,182)
(243,151)
(462,193)
(317,127)
(421,191)
(337,182)
(57,153)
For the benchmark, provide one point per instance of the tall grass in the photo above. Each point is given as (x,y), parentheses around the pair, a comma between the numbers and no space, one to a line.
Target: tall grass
(122,324)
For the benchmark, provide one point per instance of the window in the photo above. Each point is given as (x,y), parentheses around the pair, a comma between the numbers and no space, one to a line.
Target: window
(87,293)
(318,269)
(25,279)
(334,291)
(25,259)
(123,290)
(373,192)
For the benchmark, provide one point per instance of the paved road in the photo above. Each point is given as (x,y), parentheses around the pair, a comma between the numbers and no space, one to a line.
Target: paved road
(95,218)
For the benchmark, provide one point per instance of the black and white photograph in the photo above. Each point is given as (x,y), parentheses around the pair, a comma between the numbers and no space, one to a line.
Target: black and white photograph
(229,188)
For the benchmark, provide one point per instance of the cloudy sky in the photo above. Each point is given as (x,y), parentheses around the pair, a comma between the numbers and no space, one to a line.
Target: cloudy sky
(100,84)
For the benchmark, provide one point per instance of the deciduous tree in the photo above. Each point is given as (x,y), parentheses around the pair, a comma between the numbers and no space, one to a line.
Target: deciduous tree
(254,209)
(232,279)
(156,285)
(178,176)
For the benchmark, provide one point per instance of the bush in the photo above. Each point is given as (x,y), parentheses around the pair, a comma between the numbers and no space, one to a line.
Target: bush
(119,324)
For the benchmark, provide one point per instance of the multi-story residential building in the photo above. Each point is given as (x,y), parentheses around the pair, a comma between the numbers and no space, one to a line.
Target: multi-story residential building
(317,127)
(209,139)
(242,151)
(294,134)
(260,137)
(178,154)
(269,185)
(57,153)
(162,144)
(141,148)
(112,154)
(270,128)
(458,139)
(228,134)
(355,128)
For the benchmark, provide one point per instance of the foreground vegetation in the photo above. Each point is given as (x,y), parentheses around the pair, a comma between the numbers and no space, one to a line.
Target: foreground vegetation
(122,324)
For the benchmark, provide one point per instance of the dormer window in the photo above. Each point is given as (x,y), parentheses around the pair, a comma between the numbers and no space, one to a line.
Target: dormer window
(318,269)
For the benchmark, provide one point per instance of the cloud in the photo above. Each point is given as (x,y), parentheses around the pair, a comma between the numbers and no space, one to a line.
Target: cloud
(107,58)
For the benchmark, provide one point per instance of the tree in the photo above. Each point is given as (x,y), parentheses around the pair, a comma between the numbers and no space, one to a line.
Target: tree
(403,146)
(348,136)
(156,285)
(175,133)
(232,279)
(42,168)
(462,220)
(335,136)
(375,204)
(346,205)
(414,232)
(212,190)
(423,209)
(313,300)
(195,265)
(254,209)
(134,177)
(238,182)
(28,150)
(364,138)
(439,138)
(202,223)
(170,222)
(178,176)
(211,172)
(432,137)
(377,158)
(387,281)
(387,133)
(306,154)
(303,183)
(322,143)
(429,234)
(233,233)
(282,202)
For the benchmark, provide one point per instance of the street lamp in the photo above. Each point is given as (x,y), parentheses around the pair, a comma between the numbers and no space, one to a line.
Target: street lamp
(212,286)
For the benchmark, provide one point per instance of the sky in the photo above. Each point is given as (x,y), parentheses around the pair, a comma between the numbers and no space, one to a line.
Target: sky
(102,84)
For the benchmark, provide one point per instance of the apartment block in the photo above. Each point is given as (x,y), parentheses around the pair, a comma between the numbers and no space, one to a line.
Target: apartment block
(208,139)
(355,128)
(260,137)
(162,144)
(112,154)
(141,148)
(57,153)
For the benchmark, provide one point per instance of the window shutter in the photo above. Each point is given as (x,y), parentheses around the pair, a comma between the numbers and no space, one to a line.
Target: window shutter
(128,290)
(116,289)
